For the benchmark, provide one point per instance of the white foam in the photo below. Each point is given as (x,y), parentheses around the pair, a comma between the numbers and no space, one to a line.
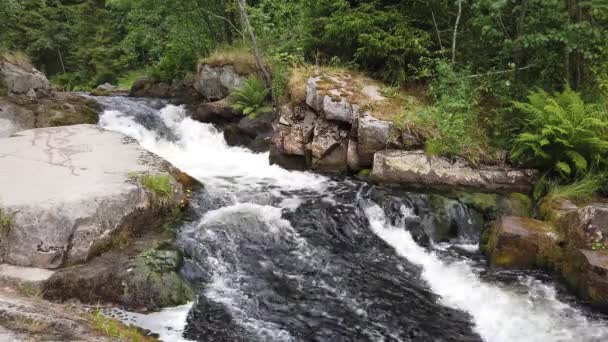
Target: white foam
(168,324)
(202,152)
(500,313)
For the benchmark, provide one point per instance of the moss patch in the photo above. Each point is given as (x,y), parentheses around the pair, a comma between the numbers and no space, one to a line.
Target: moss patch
(155,280)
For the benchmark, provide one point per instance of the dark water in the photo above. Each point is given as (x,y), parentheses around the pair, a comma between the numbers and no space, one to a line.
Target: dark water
(291,256)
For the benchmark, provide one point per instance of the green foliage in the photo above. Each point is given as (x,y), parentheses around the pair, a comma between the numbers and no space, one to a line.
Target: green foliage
(563,135)
(453,115)
(251,98)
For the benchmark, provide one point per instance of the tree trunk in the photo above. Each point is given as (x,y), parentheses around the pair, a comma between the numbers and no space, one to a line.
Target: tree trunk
(61,60)
(456,31)
(256,51)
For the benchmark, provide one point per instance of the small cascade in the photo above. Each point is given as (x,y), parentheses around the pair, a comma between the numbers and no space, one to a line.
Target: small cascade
(277,255)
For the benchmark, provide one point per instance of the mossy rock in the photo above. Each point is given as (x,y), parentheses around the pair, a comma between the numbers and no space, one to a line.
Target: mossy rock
(493,206)
(522,243)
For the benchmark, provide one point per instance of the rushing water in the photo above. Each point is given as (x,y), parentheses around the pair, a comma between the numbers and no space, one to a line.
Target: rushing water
(293,256)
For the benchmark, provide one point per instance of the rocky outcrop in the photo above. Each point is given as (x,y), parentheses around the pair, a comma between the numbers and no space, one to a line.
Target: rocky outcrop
(216,82)
(22,80)
(372,136)
(416,169)
(518,242)
(79,192)
(586,271)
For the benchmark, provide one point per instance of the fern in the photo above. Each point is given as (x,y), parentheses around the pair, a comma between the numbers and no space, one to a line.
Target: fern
(251,98)
(563,135)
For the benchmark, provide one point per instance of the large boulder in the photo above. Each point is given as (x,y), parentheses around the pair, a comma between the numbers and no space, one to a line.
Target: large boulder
(216,82)
(329,148)
(586,226)
(22,80)
(586,271)
(519,242)
(416,169)
(80,190)
(372,136)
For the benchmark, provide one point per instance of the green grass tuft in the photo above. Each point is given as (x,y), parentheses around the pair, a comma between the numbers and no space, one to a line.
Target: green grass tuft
(157,184)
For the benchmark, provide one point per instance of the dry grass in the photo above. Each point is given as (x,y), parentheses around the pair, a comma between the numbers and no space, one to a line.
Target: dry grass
(296,85)
(239,57)
(17,58)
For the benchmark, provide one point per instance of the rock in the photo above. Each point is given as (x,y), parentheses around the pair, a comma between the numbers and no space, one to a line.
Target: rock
(260,125)
(314,98)
(19,113)
(518,242)
(32,319)
(14,118)
(138,277)
(253,133)
(329,148)
(219,112)
(288,135)
(337,108)
(586,271)
(372,135)
(19,80)
(107,89)
(78,195)
(352,156)
(586,226)
(416,169)
(493,206)
(216,82)
(179,91)
(287,161)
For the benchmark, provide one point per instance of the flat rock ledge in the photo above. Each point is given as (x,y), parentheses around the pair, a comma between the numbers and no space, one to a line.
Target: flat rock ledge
(68,193)
(416,169)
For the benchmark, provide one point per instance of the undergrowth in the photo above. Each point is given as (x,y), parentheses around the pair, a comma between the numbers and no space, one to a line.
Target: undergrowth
(251,98)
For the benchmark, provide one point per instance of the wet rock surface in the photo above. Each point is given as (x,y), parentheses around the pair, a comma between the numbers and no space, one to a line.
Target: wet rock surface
(78,196)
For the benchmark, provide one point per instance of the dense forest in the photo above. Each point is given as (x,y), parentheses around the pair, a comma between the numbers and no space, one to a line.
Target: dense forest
(525,76)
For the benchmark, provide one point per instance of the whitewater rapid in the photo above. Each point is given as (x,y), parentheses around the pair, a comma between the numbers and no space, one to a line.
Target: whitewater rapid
(529,311)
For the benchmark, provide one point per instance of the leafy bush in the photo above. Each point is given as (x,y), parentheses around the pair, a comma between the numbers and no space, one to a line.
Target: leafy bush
(563,135)
(251,98)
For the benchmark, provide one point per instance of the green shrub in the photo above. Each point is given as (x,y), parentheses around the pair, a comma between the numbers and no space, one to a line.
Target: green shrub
(450,124)
(563,135)
(105,77)
(251,98)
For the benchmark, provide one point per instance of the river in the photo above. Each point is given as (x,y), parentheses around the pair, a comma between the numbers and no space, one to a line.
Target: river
(279,255)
